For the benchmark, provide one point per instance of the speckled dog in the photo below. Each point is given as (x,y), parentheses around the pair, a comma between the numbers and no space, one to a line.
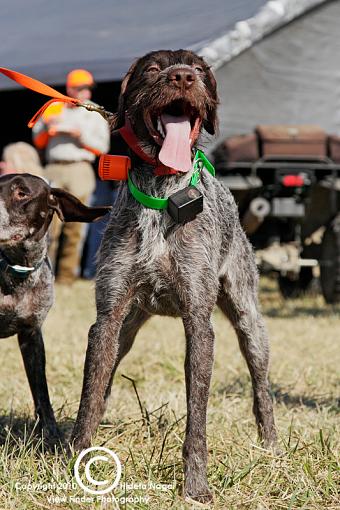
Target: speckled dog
(27,204)
(148,264)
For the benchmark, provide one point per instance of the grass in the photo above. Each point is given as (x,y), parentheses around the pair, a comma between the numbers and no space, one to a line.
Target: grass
(147,432)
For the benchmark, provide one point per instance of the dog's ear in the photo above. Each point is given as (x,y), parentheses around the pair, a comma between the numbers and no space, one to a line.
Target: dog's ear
(69,208)
(119,118)
(127,77)
(210,123)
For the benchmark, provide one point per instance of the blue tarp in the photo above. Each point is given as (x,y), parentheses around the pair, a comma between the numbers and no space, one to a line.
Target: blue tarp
(46,38)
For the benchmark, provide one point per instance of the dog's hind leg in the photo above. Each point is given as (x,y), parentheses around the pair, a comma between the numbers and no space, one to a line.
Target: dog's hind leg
(238,300)
(132,324)
(33,354)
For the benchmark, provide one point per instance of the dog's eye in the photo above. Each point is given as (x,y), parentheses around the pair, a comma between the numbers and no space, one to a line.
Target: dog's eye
(153,69)
(199,69)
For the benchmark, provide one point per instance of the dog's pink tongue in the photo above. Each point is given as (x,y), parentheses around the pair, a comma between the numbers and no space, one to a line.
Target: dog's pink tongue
(176,148)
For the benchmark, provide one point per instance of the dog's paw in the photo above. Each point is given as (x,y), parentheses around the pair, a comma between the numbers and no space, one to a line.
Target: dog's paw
(78,444)
(272,447)
(52,438)
(200,501)
(69,451)
(276,450)
(198,495)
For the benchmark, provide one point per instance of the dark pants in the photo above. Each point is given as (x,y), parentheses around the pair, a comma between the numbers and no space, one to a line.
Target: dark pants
(103,195)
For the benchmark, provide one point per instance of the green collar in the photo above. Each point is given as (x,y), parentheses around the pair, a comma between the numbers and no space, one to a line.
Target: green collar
(200,162)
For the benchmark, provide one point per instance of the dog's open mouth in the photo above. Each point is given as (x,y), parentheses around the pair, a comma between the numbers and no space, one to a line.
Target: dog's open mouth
(174,128)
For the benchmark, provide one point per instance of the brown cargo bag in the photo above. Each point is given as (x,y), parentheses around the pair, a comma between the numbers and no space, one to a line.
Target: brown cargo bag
(289,140)
(235,149)
(334,148)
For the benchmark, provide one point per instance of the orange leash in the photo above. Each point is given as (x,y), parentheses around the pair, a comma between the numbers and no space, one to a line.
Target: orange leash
(38,86)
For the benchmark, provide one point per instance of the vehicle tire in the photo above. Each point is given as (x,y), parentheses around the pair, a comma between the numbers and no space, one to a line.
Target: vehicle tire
(291,289)
(330,262)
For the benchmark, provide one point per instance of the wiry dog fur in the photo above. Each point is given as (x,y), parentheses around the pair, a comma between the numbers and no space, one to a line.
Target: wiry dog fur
(150,265)
(27,204)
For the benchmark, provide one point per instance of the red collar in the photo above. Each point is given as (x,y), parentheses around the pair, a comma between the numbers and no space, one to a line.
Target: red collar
(131,139)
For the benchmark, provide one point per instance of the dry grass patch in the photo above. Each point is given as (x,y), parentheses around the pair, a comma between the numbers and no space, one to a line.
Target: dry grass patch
(148,435)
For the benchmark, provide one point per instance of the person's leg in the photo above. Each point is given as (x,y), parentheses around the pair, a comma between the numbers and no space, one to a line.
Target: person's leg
(54,234)
(80,182)
(70,253)
(103,195)
(55,175)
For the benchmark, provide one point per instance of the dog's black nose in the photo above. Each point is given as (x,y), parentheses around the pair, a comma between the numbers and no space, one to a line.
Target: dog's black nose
(182,77)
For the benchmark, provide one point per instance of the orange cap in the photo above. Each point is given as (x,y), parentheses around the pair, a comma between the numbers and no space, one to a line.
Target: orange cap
(113,168)
(79,78)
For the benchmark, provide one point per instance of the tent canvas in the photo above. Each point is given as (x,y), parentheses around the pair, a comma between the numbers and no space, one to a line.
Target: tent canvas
(289,77)
(264,74)
(47,39)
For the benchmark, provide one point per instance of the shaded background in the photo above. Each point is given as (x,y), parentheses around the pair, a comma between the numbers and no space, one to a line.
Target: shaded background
(290,76)
(46,40)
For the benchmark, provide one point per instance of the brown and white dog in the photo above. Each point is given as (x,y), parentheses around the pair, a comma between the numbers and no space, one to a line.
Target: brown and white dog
(27,204)
(149,264)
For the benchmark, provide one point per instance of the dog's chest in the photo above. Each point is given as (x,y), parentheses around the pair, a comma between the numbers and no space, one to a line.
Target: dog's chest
(155,258)
(158,271)
(21,310)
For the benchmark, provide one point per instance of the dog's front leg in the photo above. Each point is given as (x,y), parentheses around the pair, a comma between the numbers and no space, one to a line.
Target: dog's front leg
(33,354)
(198,367)
(100,359)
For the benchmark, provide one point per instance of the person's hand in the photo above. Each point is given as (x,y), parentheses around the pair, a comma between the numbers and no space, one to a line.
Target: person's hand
(75,133)
(52,121)
(54,130)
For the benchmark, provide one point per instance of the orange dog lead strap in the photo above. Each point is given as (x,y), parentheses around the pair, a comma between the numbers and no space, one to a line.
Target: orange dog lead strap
(38,86)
